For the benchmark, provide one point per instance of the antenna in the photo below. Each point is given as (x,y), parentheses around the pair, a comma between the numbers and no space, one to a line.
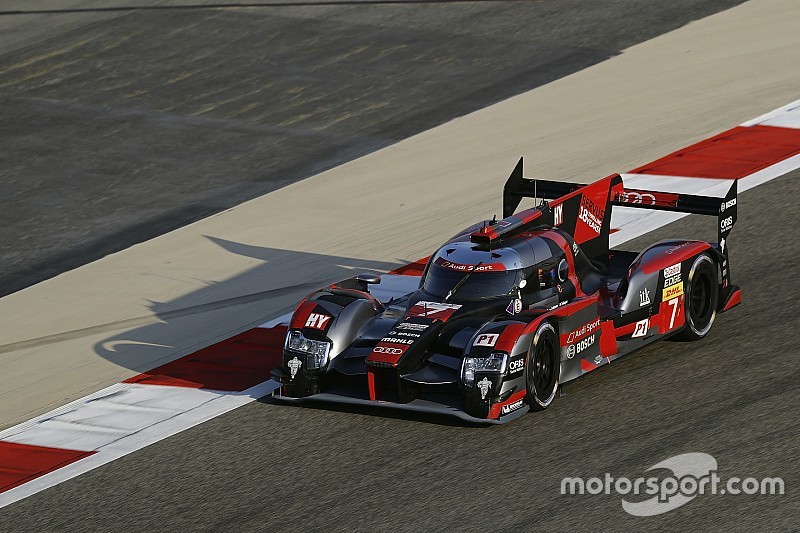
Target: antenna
(535,194)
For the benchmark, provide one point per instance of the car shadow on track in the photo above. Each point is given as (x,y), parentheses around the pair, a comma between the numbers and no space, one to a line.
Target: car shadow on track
(378,411)
(213,325)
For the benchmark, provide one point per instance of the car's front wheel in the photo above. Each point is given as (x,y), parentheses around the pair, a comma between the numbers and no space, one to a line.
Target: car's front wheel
(543,368)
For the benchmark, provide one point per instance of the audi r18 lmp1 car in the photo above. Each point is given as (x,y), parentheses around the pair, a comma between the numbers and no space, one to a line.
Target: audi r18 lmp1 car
(508,310)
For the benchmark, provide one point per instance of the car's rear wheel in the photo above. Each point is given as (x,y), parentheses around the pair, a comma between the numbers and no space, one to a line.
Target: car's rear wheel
(543,368)
(701,298)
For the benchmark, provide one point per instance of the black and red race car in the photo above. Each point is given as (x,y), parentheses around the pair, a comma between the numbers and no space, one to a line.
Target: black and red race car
(508,310)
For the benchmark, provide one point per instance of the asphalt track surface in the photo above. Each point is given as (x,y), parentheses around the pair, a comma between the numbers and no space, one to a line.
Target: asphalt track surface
(119,126)
(273,467)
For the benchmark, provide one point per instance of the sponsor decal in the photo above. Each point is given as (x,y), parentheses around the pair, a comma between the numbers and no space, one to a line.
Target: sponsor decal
(510,408)
(404,334)
(503,224)
(674,280)
(559,304)
(516,365)
(641,328)
(410,326)
(484,385)
(558,214)
(582,331)
(591,214)
(434,310)
(644,297)
(489,267)
(598,359)
(294,365)
(396,340)
(631,197)
(514,307)
(726,223)
(673,270)
(727,205)
(575,248)
(317,321)
(582,345)
(570,351)
(676,248)
(388,350)
(672,292)
(722,245)
(486,339)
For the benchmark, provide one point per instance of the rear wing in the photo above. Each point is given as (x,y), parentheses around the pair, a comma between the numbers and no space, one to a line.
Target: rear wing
(724,209)
(584,211)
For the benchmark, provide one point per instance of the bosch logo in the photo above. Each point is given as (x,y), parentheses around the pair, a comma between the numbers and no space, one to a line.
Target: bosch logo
(585,343)
(387,350)
(727,205)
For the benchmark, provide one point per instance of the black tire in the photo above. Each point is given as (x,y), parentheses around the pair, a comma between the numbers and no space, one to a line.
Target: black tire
(701,298)
(543,368)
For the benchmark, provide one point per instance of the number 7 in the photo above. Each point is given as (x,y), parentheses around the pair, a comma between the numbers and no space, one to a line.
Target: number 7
(674,304)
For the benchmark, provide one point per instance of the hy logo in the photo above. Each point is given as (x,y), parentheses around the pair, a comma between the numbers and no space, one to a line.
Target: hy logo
(294,365)
(484,385)
(558,214)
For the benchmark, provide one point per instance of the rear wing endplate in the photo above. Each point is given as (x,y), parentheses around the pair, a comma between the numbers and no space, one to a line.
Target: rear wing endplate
(517,188)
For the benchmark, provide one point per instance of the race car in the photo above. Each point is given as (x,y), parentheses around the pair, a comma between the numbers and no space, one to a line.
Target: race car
(509,310)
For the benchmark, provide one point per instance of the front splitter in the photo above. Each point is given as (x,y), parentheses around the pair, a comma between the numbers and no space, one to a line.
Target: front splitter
(418,406)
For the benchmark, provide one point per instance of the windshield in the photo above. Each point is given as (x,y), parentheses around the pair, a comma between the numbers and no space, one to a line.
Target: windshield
(479,285)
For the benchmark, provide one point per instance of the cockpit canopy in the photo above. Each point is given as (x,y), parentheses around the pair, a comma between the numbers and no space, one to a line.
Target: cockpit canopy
(467,272)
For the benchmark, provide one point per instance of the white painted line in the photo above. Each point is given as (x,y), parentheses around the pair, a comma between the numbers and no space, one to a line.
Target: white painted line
(202,406)
(633,222)
(787,116)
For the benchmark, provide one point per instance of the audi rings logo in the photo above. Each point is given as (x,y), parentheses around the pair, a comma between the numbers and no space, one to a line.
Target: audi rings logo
(630,197)
(387,350)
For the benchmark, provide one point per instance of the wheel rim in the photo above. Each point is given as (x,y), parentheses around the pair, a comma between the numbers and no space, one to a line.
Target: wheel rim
(701,303)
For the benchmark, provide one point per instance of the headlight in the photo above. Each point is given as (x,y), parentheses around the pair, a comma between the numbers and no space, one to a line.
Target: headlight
(296,342)
(495,362)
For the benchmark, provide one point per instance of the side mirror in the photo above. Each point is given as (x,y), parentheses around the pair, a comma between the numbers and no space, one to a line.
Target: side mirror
(365,280)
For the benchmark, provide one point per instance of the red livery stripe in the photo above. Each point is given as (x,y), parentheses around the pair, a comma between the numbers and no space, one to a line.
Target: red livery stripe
(413,269)
(301,314)
(495,409)
(20,463)
(235,364)
(508,337)
(732,154)
(674,255)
